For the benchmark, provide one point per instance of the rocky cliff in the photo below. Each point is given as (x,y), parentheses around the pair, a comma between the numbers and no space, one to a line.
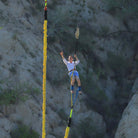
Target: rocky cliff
(128,125)
(108,69)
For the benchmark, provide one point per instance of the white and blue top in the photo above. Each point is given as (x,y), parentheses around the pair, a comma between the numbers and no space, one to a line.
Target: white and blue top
(72,65)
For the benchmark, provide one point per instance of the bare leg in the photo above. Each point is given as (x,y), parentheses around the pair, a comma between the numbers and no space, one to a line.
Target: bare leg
(79,82)
(72,84)
(72,81)
(79,85)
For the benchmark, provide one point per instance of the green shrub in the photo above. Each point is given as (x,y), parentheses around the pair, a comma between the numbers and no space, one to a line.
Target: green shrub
(122,94)
(123,8)
(32,91)
(24,132)
(87,129)
(14,37)
(92,89)
(117,62)
(11,96)
(101,49)
(39,5)
(63,114)
(13,70)
(101,74)
(59,24)
(119,65)
(104,30)
(5,2)
(36,5)
(111,4)
(18,93)
(8,97)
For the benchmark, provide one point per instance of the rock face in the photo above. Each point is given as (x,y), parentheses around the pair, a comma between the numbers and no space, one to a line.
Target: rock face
(128,126)
(135,86)
(29,113)
(100,44)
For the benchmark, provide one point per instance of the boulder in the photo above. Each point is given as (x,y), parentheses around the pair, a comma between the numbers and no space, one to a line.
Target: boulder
(128,125)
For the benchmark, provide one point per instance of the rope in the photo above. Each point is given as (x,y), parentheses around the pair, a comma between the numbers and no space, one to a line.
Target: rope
(44,72)
(69,124)
(70,117)
(74,101)
(71,99)
(72,95)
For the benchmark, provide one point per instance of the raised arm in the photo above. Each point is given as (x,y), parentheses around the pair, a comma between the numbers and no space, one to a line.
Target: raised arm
(77,60)
(64,60)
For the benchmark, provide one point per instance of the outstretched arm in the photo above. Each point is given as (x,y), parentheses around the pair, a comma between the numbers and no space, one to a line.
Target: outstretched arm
(61,53)
(64,60)
(77,60)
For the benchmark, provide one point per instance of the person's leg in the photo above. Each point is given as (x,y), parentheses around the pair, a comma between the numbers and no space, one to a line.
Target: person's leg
(72,84)
(79,82)
(72,81)
(79,85)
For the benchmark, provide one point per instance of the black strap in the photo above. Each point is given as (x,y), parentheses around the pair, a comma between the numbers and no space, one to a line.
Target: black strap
(45,16)
(71,70)
(69,123)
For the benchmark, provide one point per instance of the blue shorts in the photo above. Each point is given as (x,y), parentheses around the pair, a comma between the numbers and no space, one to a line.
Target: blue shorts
(74,74)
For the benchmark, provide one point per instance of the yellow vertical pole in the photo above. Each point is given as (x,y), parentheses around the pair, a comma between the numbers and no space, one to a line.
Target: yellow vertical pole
(44,73)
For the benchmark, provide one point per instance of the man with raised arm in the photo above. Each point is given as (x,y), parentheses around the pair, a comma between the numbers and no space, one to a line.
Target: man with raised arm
(72,72)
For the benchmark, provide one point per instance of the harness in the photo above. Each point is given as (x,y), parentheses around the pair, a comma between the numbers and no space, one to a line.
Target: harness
(71,70)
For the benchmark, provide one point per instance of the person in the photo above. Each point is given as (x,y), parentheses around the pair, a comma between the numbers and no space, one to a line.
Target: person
(72,72)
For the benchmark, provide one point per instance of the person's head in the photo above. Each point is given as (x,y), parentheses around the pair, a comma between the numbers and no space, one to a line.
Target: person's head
(70,58)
